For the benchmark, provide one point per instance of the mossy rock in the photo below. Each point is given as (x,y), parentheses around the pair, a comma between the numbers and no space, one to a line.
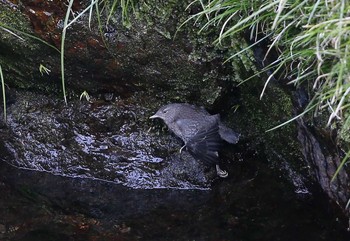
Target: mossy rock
(22,53)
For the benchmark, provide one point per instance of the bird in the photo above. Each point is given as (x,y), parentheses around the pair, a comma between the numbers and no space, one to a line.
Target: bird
(202,133)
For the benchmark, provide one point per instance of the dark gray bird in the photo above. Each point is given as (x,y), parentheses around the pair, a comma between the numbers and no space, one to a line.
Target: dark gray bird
(201,132)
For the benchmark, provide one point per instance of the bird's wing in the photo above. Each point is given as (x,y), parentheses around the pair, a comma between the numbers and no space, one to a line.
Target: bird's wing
(205,145)
(188,128)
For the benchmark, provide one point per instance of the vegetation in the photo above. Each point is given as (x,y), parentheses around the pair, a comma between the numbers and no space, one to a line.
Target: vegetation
(3,93)
(109,5)
(101,6)
(312,41)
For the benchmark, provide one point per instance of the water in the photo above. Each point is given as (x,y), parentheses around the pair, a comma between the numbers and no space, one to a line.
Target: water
(255,204)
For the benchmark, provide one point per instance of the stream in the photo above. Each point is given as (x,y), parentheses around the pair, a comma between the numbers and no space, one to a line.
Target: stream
(257,204)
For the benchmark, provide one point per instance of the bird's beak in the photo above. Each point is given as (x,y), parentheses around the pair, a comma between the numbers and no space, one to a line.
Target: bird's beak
(153,117)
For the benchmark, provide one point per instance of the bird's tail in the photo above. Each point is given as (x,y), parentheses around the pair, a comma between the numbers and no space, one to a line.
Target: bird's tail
(228,134)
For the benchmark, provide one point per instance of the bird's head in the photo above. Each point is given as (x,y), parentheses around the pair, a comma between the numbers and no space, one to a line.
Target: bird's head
(167,113)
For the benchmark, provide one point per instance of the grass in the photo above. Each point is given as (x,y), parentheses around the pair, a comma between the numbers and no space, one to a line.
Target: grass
(311,39)
(17,33)
(63,40)
(110,6)
(3,94)
(43,70)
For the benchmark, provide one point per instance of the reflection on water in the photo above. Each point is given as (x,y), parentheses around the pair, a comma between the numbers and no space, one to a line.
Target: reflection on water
(254,205)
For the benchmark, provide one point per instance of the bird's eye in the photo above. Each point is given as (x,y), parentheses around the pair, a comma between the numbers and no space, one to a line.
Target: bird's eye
(165,111)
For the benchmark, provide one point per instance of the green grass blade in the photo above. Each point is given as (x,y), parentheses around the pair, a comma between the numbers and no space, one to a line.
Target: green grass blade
(280,9)
(63,38)
(248,18)
(247,48)
(13,30)
(294,118)
(80,14)
(90,13)
(112,10)
(345,159)
(3,94)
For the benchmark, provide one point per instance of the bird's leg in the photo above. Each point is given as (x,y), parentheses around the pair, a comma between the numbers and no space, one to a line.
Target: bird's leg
(221,173)
(182,148)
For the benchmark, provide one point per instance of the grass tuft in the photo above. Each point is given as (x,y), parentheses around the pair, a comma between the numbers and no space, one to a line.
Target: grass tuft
(311,38)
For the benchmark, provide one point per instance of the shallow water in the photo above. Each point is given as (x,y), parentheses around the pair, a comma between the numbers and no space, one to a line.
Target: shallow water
(256,204)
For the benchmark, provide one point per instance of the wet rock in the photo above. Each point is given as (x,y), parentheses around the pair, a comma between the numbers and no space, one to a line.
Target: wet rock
(2,228)
(323,161)
(110,141)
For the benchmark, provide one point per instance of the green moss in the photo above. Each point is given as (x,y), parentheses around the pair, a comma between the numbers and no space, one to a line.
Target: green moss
(243,64)
(16,23)
(160,12)
(167,18)
(21,55)
(254,117)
